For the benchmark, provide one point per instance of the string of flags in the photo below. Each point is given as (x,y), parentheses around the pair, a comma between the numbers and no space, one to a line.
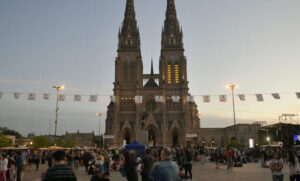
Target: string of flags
(139,99)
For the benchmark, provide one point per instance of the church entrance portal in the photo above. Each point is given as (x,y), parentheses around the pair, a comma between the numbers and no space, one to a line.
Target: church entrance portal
(151,137)
(175,138)
(127,137)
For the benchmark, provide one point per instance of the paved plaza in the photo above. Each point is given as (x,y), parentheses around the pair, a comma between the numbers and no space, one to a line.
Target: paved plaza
(201,172)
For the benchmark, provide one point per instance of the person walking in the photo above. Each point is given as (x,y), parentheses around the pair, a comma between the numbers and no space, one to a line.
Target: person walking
(293,162)
(166,169)
(188,164)
(60,171)
(3,167)
(19,165)
(49,159)
(276,166)
(229,156)
(130,166)
(147,165)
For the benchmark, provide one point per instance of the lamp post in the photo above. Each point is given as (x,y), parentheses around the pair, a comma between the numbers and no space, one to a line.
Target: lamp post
(56,117)
(232,87)
(99,115)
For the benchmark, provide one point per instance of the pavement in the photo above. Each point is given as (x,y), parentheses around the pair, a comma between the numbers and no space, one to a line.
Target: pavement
(201,172)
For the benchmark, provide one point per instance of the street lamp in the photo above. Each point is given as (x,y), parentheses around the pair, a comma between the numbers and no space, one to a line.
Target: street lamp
(99,115)
(56,117)
(232,87)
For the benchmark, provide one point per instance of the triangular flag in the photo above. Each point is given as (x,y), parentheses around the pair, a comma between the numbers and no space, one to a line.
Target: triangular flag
(93,98)
(1,93)
(158,98)
(77,97)
(222,98)
(190,98)
(46,96)
(298,95)
(138,99)
(242,97)
(206,98)
(17,95)
(175,98)
(31,96)
(113,98)
(62,97)
(259,98)
(276,95)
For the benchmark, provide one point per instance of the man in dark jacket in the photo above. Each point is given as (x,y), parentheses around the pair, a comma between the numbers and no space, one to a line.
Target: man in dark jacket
(60,171)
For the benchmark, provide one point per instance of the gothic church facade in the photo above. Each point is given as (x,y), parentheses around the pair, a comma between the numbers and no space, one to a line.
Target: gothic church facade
(167,122)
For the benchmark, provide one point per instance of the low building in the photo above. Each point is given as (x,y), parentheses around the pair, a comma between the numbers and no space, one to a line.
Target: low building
(288,134)
(12,138)
(223,136)
(81,139)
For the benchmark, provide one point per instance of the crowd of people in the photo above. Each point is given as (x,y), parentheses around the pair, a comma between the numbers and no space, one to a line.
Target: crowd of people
(156,164)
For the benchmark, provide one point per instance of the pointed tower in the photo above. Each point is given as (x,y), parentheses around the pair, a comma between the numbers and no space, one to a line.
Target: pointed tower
(129,68)
(172,60)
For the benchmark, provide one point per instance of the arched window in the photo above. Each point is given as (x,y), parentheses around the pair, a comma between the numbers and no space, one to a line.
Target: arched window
(132,71)
(124,72)
(176,73)
(169,73)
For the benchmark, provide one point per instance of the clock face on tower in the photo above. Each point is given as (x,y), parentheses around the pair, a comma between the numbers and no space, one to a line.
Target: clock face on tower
(128,58)
(172,58)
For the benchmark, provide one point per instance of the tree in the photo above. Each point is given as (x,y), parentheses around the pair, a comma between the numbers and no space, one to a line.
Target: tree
(40,141)
(4,141)
(69,143)
(7,131)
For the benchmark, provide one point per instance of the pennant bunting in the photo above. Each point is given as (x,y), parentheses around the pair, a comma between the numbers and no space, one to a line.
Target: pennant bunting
(31,96)
(190,98)
(113,98)
(62,97)
(298,95)
(158,98)
(46,96)
(276,95)
(17,95)
(206,98)
(138,99)
(259,98)
(175,98)
(242,97)
(93,98)
(1,93)
(77,98)
(223,98)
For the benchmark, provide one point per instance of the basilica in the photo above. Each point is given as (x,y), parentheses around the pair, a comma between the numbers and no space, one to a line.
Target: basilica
(157,105)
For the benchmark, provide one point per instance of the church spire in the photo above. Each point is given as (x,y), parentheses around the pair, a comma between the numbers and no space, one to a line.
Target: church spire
(171,34)
(151,66)
(129,36)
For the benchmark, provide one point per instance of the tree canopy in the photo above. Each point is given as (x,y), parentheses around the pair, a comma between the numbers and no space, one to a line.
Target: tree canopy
(4,141)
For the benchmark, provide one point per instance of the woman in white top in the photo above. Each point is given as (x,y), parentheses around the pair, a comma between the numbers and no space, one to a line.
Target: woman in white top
(276,166)
(3,167)
(294,167)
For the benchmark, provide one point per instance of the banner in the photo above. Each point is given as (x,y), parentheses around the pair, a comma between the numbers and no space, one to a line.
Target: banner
(31,96)
(298,95)
(17,95)
(1,93)
(242,97)
(113,98)
(62,97)
(77,98)
(190,98)
(276,95)
(259,98)
(138,99)
(222,98)
(175,98)
(46,96)
(206,98)
(93,98)
(158,98)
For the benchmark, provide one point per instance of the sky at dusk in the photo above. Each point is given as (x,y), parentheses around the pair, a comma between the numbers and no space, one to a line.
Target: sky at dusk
(255,44)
